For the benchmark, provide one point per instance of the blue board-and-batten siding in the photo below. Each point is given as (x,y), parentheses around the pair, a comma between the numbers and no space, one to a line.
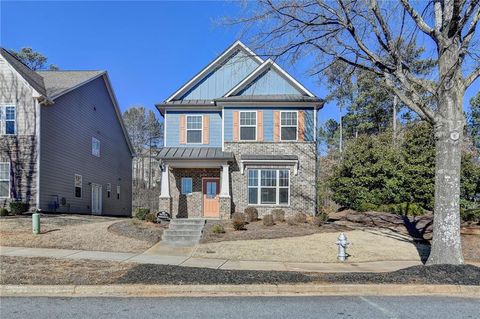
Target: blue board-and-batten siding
(269,83)
(268,121)
(223,78)
(173,128)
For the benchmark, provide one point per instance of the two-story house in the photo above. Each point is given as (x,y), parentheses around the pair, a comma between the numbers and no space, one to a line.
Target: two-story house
(63,144)
(240,133)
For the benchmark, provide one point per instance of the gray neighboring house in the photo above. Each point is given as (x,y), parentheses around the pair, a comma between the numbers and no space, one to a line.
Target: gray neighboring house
(63,145)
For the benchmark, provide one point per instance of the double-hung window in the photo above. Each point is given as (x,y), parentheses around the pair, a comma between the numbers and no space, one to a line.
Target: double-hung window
(248,125)
(289,125)
(4,180)
(194,129)
(95,147)
(268,186)
(7,120)
(186,185)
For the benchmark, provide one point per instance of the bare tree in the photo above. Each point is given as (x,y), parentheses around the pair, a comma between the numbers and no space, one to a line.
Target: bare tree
(371,35)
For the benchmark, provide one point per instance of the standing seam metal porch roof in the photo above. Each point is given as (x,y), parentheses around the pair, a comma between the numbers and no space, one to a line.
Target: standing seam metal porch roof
(194,153)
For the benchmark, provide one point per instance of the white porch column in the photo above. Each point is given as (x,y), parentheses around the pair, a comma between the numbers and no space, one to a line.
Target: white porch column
(225,182)
(165,185)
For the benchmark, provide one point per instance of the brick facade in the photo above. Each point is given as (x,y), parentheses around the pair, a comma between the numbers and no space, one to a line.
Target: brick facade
(190,206)
(302,185)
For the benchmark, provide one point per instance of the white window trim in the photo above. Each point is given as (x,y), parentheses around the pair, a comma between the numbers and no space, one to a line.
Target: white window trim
(7,180)
(94,140)
(186,129)
(277,188)
(240,126)
(118,192)
(296,131)
(181,186)
(3,112)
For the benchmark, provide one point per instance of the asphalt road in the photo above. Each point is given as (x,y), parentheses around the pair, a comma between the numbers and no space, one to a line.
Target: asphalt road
(241,307)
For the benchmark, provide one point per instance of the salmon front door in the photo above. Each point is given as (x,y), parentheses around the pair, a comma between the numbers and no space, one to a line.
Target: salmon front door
(211,199)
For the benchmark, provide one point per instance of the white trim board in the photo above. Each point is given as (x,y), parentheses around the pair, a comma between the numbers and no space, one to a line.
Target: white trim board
(236,45)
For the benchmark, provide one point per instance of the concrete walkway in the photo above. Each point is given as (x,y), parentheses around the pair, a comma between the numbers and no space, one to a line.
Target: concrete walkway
(181,256)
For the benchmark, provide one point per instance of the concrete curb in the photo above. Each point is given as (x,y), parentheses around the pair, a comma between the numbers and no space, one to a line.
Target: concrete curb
(236,290)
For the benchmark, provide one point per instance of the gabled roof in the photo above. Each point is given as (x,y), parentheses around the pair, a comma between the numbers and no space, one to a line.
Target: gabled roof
(53,84)
(268,65)
(237,45)
(33,78)
(58,83)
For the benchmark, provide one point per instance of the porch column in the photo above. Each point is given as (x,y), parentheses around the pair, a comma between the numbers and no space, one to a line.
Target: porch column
(225,182)
(165,185)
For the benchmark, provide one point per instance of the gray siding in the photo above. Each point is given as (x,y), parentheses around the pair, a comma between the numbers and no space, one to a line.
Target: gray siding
(19,150)
(67,128)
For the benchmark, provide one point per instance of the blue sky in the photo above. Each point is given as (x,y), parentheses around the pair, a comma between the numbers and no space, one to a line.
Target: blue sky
(148,48)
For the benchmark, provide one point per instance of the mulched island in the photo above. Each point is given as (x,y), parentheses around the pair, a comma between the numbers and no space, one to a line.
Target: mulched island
(50,271)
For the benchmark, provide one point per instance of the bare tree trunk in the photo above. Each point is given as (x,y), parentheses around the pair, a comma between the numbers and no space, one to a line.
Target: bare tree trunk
(449,125)
(395,119)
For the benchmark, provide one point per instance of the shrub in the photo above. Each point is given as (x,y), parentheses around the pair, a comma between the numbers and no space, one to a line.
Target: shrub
(300,218)
(278,215)
(17,208)
(238,221)
(239,216)
(470,215)
(3,212)
(315,221)
(141,213)
(151,218)
(268,220)
(251,214)
(217,229)
(366,207)
(323,216)
(291,221)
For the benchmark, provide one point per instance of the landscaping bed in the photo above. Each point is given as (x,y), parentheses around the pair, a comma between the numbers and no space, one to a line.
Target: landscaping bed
(137,229)
(42,271)
(256,230)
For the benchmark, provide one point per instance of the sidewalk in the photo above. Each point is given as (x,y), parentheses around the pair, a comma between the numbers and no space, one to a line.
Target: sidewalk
(180,256)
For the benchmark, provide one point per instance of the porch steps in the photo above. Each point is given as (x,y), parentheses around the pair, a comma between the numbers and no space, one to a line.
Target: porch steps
(183,232)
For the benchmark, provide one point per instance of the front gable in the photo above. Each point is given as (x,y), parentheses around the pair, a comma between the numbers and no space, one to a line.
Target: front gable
(218,77)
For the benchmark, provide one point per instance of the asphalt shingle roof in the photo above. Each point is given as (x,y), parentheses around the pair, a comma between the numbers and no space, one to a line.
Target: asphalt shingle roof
(57,82)
(32,77)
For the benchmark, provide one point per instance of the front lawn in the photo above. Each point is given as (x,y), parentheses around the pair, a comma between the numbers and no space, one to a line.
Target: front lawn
(82,232)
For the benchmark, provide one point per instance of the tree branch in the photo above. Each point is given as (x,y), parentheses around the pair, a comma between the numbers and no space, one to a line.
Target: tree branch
(471,78)
(419,20)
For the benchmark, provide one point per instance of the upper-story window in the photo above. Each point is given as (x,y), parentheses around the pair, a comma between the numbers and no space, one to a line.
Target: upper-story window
(194,129)
(288,125)
(95,147)
(7,120)
(248,126)
(4,180)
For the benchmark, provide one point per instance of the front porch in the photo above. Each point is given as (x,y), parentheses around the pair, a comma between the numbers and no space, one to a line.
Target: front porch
(195,182)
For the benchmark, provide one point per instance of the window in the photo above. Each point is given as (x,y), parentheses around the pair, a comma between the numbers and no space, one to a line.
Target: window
(118,191)
(194,129)
(268,186)
(288,124)
(248,126)
(78,185)
(7,120)
(95,147)
(109,190)
(4,180)
(186,185)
